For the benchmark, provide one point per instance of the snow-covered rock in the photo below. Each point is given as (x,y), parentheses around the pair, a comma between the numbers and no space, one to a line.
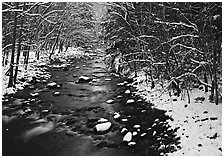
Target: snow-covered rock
(56,93)
(154,133)
(137,126)
(45,111)
(94,80)
(110,101)
(143,134)
(127,91)
(34,94)
(124,130)
(44,81)
(116,115)
(119,96)
(102,127)
(28,110)
(131,144)
(52,84)
(127,137)
(120,84)
(124,120)
(107,79)
(101,120)
(134,133)
(129,101)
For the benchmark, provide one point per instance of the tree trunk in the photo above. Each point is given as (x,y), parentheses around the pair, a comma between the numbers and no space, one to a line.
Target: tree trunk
(214,53)
(10,84)
(27,58)
(19,47)
(55,43)
(206,81)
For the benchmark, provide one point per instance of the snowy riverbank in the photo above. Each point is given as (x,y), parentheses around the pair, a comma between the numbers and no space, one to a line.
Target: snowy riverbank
(199,123)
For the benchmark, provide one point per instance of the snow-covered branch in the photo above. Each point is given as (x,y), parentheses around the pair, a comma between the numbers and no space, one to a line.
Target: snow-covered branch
(175,23)
(194,75)
(181,36)
(187,47)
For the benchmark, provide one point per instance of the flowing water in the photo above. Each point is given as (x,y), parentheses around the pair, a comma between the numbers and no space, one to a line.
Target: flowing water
(65,123)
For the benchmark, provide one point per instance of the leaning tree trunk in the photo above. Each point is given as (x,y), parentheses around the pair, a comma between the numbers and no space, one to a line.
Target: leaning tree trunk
(10,84)
(19,46)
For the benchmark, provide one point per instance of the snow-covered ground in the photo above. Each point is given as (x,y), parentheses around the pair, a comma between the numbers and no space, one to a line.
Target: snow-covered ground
(34,68)
(199,122)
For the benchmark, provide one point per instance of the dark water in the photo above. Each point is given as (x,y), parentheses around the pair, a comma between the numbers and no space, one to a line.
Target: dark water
(76,111)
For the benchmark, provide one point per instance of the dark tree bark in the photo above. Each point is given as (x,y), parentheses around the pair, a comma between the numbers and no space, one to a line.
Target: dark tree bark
(206,81)
(55,43)
(19,46)
(10,84)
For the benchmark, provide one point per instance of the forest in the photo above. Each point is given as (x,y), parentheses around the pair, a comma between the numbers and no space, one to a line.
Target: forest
(163,49)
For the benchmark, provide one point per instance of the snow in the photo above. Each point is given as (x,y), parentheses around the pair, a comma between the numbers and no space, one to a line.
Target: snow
(129,101)
(101,120)
(84,78)
(143,134)
(119,96)
(199,122)
(127,91)
(131,144)
(34,94)
(124,120)
(107,79)
(56,93)
(116,115)
(52,84)
(127,137)
(124,130)
(102,127)
(134,133)
(36,68)
(110,101)
(137,126)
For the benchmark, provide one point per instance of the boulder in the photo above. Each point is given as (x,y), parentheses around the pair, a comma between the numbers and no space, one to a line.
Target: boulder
(103,127)
(102,120)
(34,94)
(116,115)
(131,144)
(124,130)
(52,85)
(110,101)
(127,137)
(56,93)
(127,91)
(129,101)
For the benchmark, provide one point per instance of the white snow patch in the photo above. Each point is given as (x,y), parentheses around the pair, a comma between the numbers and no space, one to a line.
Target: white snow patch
(129,101)
(101,120)
(127,137)
(102,127)
(116,115)
(127,91)
(137,126)
(131,144)
(110,101)
(124,130)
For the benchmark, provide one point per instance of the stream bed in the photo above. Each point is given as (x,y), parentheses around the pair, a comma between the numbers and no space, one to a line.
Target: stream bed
(63,123)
